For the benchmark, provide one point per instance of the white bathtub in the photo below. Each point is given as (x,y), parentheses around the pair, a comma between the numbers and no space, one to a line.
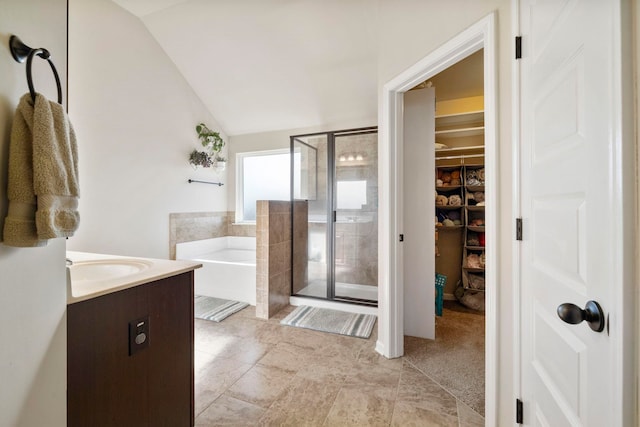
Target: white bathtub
(228,267)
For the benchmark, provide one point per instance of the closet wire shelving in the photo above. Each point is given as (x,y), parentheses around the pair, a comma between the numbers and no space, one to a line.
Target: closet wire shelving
(463,131)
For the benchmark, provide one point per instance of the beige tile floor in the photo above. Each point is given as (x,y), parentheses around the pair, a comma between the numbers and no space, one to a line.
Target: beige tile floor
(251,372)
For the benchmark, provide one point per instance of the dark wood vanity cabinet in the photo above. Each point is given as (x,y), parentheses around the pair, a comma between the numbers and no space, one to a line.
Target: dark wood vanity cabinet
(108,384)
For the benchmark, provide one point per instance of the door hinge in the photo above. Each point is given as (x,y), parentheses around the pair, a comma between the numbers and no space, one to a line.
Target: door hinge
(402,237)
(518,228)
(518,47)
(519,415)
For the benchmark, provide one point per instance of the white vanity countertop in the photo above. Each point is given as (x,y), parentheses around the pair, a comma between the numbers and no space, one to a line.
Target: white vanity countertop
(94,275)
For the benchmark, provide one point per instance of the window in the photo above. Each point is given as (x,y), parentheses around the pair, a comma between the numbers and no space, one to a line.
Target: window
(263,175)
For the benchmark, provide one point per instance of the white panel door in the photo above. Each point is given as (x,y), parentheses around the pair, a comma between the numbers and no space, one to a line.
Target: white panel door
(418,207)
(569,209)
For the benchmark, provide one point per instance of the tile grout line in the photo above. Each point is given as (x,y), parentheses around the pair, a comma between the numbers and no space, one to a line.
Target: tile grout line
(395,401)
(442,387)
(224,391)
(324,422)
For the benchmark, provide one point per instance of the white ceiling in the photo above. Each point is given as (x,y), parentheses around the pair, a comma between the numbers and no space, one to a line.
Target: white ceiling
(262,65)
(462,80)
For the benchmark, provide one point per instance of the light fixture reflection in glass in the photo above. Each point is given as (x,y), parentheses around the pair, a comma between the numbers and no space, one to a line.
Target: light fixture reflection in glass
(351,157)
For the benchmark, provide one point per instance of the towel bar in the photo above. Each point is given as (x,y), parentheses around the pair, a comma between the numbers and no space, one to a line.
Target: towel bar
(219,184)
(21,51)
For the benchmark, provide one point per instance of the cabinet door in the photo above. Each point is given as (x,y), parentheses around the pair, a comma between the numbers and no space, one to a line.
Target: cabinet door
(171,356)
(106,386)
(153,386)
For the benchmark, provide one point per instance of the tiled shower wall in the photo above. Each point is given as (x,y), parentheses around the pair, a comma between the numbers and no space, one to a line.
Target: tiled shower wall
(190,226)
(273,257)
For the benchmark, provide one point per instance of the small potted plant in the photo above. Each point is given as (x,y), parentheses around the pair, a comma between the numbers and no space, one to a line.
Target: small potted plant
(219,163)
(200,158)
(213,144)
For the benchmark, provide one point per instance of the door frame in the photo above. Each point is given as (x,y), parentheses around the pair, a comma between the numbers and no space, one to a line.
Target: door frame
(481,35)
(623,315)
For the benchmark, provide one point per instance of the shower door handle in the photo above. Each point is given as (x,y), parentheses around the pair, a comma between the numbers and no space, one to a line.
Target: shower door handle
(335,216)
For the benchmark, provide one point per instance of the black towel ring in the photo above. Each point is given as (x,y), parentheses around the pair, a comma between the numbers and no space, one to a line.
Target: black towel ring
(21,51)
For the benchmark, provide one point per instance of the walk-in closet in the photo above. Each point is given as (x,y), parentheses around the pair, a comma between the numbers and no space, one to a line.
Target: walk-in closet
(460,199)
(455,358)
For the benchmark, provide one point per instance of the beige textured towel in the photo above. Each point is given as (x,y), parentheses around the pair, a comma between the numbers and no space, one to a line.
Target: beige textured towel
(43,175)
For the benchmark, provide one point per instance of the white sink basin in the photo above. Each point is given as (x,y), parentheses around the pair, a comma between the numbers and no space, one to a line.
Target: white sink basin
(107,269)
(91,275)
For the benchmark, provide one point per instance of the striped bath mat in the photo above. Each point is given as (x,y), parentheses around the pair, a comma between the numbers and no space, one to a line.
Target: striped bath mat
(334,321)
(216,309)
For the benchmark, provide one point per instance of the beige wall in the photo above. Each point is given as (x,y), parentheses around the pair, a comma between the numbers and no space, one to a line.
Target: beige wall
(33,292)
(135,118)
(411,29)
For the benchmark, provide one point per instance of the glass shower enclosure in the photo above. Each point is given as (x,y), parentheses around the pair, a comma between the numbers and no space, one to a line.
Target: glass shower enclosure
(335,215)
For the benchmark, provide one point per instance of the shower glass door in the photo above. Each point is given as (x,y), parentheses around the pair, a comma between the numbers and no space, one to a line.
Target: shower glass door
(335,216)
(310,230)
(355,190)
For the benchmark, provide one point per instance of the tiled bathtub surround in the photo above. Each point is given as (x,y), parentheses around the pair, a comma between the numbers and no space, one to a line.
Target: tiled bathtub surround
(190,226)
(240,230)
(273,257)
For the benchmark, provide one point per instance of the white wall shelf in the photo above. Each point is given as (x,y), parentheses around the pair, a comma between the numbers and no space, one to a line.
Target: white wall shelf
(442,135)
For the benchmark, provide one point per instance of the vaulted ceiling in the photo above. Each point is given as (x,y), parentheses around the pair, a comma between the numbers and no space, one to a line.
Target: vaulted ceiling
(276,64)
(262,65)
